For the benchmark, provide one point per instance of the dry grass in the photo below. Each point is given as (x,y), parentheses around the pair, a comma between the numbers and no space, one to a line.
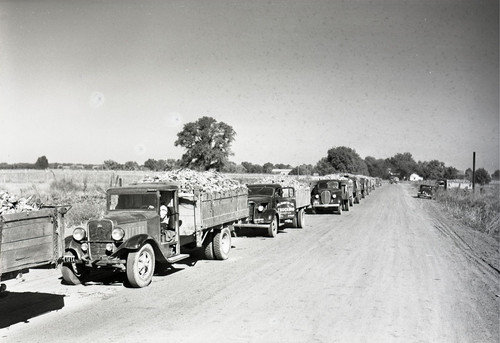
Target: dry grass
(479,210)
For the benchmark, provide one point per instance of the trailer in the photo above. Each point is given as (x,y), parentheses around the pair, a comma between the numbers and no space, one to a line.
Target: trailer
(30,239)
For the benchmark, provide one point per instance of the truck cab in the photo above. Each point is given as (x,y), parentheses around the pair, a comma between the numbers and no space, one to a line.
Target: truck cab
(327,195)
(130,237)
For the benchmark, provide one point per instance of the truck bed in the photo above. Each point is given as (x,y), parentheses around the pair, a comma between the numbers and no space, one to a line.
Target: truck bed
(302,197)
(211,209)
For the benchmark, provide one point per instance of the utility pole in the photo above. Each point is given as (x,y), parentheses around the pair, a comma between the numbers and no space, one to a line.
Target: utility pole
(473,172)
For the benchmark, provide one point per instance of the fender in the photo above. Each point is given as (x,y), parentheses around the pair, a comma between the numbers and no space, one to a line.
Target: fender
(71,245)
(135,242)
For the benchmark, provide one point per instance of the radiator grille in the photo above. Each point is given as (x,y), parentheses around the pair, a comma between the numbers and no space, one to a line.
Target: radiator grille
(99,235)
(325,197)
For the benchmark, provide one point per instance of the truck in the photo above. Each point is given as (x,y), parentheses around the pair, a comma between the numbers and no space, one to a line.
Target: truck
(347,187)
(271,204)
(131,237)
(30,239)
(356,188)
(328,195)
(365,186)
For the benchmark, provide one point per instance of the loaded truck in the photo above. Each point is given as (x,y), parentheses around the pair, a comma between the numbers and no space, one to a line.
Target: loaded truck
(133,238)
(331,195)
(270,205)
(30,239)
(356,188)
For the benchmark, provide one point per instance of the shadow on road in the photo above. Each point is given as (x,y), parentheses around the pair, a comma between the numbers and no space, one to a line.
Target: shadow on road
(21,307)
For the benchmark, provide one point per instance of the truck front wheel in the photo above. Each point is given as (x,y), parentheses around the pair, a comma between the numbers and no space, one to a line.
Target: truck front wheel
(73,274)
(272,231)
(222,244)
(347,205)
(140,266)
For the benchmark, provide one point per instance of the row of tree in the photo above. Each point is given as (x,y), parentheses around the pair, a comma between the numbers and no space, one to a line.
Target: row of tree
(207,145)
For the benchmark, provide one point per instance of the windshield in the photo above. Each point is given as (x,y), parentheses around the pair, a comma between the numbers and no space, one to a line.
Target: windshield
(132,202)
(328,184)
(260,190)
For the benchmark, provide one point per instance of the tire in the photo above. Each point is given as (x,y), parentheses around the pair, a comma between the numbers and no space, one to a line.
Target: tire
(300,218)
(340,210)
(356,200)
(73,274)
(347,205)
(295,222)
(208,247)
(222,244)
(141,266)
(351,202)
(272,230)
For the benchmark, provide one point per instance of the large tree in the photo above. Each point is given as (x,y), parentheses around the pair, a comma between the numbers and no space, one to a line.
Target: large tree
(207,143)
(482,177)
(376,167)
(403,164)
(41,163)
(346,160)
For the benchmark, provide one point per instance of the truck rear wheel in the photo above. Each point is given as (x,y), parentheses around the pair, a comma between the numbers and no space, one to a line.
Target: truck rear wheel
(300,218)
(140,266)
(272,230)
(208,247)
(222,244)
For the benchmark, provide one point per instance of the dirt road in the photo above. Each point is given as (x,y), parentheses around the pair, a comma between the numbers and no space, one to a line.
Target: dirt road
(392,269)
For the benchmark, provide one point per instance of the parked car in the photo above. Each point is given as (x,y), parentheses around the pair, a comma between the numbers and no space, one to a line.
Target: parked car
(426,191)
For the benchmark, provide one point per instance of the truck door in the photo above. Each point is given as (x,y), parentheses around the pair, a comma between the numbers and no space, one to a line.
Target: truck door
(285,204)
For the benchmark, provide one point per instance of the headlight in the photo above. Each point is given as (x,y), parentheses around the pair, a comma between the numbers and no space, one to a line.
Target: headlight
(78,234)
(260,208)
(334,196)
(117,234)
(317,196)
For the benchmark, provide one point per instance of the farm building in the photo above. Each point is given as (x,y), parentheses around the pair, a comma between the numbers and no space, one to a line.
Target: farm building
(415,177)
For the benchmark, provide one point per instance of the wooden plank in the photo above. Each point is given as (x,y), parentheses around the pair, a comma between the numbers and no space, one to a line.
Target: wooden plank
(28,243)
(27,257)
(27,231)
(28,221)
(6,218)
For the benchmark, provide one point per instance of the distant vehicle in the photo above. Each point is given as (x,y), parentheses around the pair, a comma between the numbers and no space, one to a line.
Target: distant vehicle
(394,179)
(426,191)
(449,184)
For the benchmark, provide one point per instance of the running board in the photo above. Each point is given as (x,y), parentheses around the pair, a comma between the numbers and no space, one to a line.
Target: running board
(176,258)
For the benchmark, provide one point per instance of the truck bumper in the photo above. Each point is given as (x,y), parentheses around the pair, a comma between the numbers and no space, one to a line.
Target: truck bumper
(112,262)
(326,206)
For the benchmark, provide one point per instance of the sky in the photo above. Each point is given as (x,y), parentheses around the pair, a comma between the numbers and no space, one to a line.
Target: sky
(89,81)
